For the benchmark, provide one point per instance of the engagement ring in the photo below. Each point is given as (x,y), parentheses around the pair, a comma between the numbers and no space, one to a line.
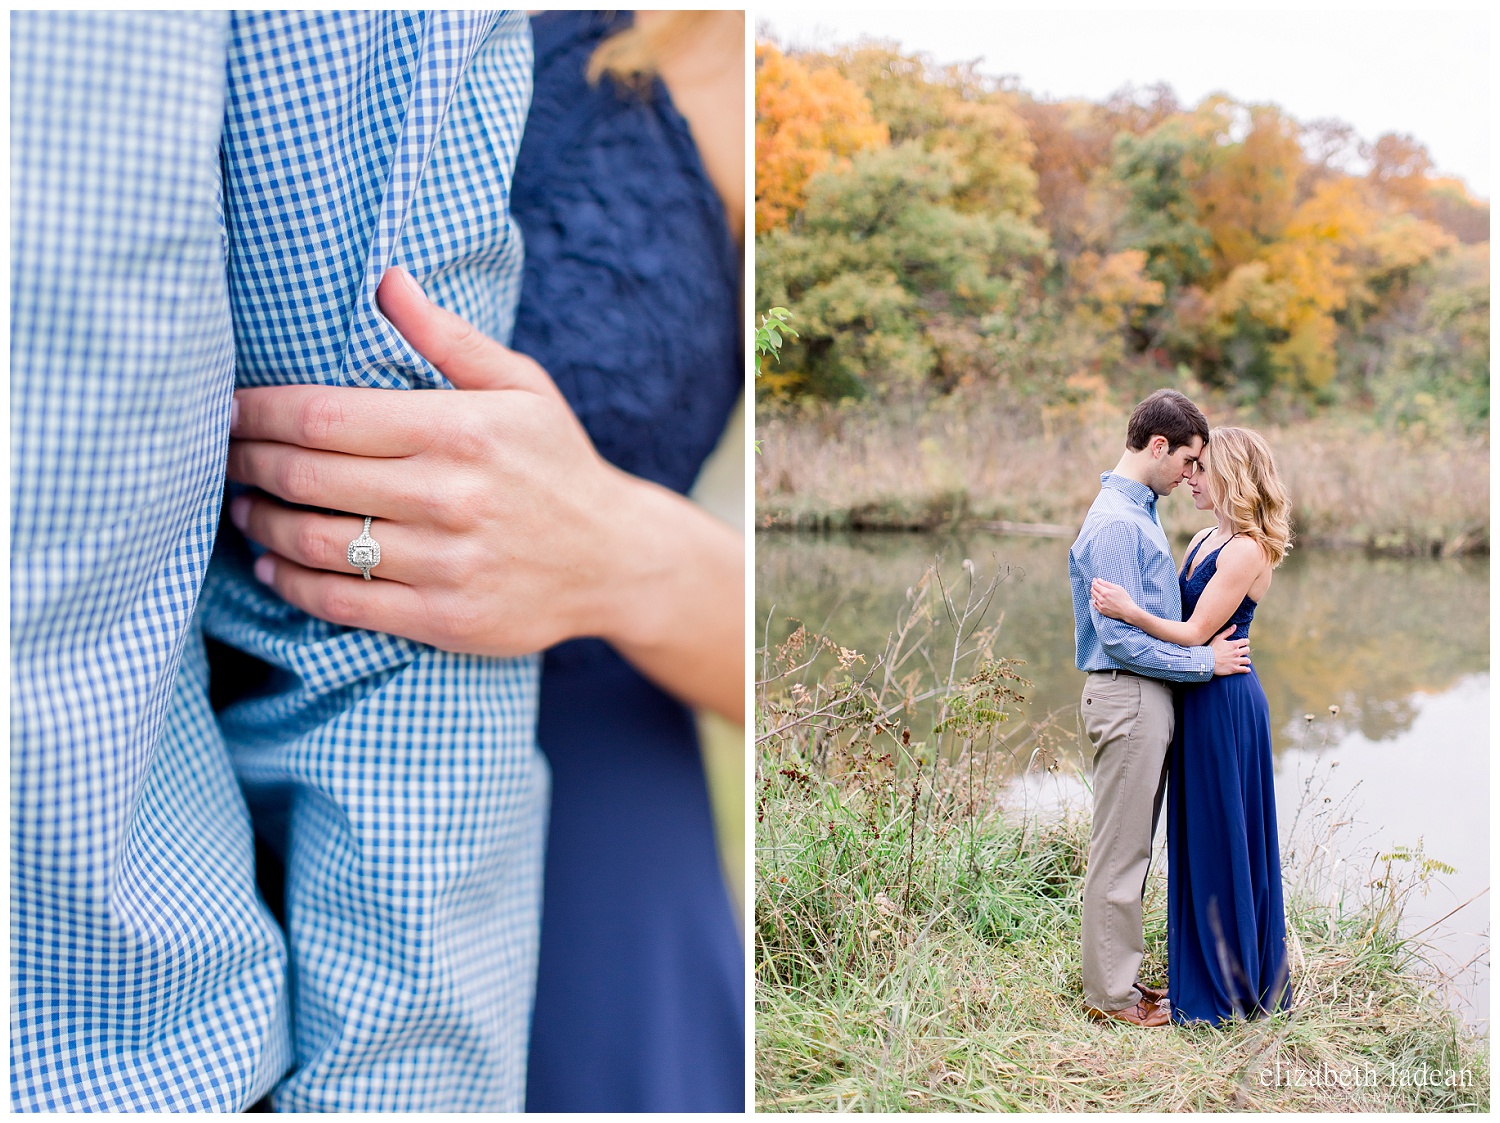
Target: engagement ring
(364,551)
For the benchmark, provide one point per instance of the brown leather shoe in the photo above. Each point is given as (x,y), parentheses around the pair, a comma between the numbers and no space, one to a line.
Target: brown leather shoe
(1151,994)
(1143,1013)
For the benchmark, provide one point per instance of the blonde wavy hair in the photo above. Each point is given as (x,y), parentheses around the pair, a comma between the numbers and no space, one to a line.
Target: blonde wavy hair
(1247,489)
(633,55)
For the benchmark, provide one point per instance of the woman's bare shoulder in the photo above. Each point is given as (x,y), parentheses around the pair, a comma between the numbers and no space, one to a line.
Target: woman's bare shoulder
(1243,552)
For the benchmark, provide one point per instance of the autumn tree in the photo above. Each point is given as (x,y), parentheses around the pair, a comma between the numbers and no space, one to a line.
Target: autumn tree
(1448,203)
(806,119)
(1072,143)
(1262,264)
(1138,110)
(1398,168)
(1246,189)
(951,229)
(1330,148)
(956,110)
(879,251)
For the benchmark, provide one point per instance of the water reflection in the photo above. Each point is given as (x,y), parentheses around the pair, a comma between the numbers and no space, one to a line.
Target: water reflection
(1336,628)
(1426,786)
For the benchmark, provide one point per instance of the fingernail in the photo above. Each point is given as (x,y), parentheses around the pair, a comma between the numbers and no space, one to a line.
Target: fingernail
(411,285)
(234,414)
(265,569)
(239,511)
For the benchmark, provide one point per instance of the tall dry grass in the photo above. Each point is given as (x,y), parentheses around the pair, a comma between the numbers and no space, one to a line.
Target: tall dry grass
(973,459)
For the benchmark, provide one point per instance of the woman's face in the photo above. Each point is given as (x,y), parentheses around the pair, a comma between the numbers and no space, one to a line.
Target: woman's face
(1198,482)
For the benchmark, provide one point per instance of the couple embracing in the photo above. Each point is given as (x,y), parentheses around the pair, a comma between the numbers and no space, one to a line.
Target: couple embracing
(1171,692)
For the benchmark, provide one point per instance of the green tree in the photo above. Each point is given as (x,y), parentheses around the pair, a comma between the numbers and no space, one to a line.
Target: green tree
(1435,370)
(1155,173)
(879,250)
(957,110)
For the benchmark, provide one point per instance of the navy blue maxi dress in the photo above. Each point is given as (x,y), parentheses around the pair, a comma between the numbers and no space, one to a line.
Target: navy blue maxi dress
(631,302)
(1226,929)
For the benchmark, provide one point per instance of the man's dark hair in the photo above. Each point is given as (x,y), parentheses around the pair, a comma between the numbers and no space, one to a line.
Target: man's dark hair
(1169,414)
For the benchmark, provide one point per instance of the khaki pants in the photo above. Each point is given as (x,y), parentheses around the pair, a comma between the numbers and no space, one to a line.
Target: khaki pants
(1129,720)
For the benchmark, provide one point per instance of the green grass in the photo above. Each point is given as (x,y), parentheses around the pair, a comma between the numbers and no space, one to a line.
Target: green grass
(917,940)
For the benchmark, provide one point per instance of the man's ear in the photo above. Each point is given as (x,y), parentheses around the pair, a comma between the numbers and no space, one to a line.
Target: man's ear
(1158,446)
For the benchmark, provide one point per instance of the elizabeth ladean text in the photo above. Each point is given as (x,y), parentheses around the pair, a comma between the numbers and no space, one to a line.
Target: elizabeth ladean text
(1366,1076)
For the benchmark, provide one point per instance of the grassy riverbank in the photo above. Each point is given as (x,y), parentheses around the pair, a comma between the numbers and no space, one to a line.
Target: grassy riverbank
(916,939)
(971,460)
(968,997)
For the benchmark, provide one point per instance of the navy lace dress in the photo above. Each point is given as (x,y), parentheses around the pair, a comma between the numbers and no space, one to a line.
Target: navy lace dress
(631,301)
(1226,930)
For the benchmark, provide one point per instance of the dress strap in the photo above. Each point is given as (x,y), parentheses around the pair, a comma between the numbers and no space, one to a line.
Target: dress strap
(1187,562)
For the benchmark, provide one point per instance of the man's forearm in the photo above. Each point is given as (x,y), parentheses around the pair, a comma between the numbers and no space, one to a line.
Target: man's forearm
(1136,651)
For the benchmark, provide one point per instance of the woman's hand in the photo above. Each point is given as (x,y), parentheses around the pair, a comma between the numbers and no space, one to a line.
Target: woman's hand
(501,530)
(1112,600)
(489,507)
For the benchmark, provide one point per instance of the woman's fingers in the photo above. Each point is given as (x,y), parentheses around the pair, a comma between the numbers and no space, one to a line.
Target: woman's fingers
(317,541)
(466,356)
(337,418)
(363,485)
(380,606)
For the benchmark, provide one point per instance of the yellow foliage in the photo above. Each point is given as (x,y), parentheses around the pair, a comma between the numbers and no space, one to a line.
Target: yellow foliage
(1249,290)
(1289,263)
(989,140)
(804,120)
(1454,186)
(1120,279)
(1307,356)
(1114,286)
(779,382)
(1246,194)
(1334,245)
(1241,246)
(1402,242)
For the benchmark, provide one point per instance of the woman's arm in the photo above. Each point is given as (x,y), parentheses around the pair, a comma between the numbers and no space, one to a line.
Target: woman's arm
(502,530)
(679,614)
(1240,562)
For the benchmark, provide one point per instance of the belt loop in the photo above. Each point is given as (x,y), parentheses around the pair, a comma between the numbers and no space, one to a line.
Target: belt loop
(1114,675)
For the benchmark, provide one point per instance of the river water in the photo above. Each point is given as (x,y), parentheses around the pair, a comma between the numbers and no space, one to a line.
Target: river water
(1399,645)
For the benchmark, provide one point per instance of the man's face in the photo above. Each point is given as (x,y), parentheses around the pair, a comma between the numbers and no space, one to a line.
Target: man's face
(1170,468)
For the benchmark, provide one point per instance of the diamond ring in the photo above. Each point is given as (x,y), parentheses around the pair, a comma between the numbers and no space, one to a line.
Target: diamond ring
(364,551)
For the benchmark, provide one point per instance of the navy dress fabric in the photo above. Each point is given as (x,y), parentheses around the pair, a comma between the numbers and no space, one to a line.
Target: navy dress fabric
(631,301)
(1226,929)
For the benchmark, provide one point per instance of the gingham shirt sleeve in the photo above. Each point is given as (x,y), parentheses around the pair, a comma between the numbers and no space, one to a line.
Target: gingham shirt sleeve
(1115,554)
(146,974)
(402,785)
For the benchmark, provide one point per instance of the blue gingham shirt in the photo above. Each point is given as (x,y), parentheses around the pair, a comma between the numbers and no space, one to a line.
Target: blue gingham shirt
(201,199)
(1122,541)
